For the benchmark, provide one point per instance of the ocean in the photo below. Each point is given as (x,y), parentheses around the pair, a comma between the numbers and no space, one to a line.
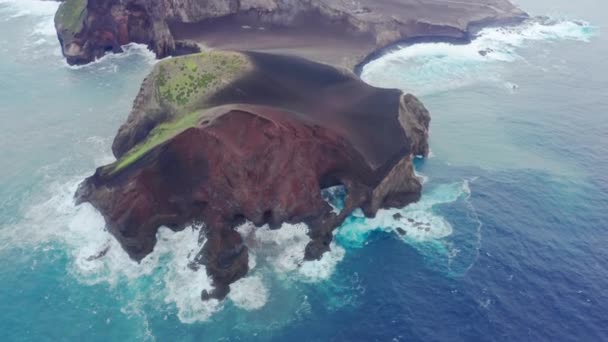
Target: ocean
(515,194)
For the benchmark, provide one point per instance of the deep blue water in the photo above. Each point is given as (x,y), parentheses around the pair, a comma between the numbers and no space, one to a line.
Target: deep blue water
(516,195)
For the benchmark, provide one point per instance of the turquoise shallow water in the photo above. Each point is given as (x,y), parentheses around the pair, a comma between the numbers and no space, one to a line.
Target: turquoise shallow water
(515,198)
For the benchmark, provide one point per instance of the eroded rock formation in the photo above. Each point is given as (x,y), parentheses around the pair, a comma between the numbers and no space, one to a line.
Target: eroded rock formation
(343,32)
(223,137)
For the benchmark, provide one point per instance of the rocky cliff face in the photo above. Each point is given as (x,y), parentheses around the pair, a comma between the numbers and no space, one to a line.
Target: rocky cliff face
(87,29)
(222,137)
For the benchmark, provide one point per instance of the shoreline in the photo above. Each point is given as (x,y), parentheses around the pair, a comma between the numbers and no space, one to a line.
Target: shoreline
(334,32)
(221,37)
(471,34)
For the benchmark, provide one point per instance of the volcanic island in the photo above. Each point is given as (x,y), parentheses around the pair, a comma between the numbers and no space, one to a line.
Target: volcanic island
(257,111)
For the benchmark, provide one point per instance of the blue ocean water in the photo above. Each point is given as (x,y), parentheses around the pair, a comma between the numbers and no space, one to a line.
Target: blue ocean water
(515,202)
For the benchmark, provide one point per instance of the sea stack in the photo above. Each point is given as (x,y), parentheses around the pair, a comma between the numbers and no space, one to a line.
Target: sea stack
(221,137)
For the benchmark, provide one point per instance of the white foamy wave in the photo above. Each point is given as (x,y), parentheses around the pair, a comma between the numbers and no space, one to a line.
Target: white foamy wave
(249,293)
(283,249)
(542,29)
(110,61)
(319,270)
(334,196)
(417,222)
(183,283)
(423,178)
(280,252)
(20,8)
(436,67)
(98,258)
(422,226)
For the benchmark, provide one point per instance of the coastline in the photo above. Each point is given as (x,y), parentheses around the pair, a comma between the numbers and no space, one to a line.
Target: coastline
(177,170)
(328,31)
(472,32)
(231,148)
(355,63)
(310,36)
(514,191)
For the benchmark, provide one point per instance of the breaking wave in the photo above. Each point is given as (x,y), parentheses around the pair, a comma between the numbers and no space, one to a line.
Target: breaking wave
(97,258)
(416,222)
(423,226)
(110,61)
(283,251)
(430,68)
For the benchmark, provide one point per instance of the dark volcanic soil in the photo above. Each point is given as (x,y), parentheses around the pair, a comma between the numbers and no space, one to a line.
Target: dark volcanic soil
(311,38)
(339,32)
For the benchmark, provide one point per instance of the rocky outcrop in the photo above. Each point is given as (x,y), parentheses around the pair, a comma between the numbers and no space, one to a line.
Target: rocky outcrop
(343,32)
(222,137)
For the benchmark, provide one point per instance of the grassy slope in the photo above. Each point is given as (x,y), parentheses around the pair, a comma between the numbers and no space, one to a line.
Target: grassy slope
(71,15)
(183,84)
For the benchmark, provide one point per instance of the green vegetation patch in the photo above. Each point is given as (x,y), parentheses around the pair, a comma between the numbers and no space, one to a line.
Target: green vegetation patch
(156,137)
(184,82)
(182,87)
(70,15)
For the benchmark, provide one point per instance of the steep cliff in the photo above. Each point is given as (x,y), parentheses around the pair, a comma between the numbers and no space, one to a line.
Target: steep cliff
(339,32)
(222,137)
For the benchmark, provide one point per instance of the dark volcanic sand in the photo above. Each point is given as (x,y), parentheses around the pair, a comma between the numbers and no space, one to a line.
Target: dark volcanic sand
(359,112)
(338,41)
(315,40)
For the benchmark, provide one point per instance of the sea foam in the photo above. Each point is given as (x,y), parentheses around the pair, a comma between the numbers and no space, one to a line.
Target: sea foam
(283,251)
(249,293)
(96,256)
(110,61)
(416,222)
(430,68)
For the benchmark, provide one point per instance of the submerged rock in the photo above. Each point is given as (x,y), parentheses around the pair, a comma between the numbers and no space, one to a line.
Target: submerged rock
(222,137)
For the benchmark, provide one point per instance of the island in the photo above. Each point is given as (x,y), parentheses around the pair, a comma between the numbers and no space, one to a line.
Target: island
(259,112)
(221,137)
(339,32)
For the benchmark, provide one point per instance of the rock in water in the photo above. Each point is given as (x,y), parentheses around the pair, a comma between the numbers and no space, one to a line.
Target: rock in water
(219,137)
